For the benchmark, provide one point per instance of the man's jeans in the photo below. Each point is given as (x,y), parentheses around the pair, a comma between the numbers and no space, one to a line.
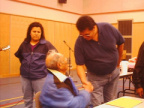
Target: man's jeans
(105,87)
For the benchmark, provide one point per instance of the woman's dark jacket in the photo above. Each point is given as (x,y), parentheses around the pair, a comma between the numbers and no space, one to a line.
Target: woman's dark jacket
(33,62)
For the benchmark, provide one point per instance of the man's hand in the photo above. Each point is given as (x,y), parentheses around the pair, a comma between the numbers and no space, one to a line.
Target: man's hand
(140,92)
(88,86)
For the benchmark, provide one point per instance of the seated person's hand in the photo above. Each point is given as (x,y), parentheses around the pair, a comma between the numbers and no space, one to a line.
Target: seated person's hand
(140,92)
(88,87)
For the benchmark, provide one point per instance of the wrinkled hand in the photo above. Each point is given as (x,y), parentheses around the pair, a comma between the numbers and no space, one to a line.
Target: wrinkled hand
(88,86)
(140,92)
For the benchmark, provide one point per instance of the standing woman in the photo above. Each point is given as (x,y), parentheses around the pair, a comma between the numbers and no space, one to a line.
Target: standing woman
(32,53)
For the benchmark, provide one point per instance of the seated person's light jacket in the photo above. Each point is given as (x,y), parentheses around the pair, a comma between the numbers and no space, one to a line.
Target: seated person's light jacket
(59,91)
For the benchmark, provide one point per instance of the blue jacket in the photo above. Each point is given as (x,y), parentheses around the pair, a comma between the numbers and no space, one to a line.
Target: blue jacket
(57,94)
(33,62)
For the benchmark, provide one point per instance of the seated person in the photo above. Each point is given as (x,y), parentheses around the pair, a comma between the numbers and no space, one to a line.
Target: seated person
(59,90)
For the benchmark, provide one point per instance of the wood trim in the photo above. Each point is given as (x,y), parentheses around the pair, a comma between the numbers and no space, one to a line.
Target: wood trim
(137,22)
(47,7)
(9,75)
(36,18)
(116,12)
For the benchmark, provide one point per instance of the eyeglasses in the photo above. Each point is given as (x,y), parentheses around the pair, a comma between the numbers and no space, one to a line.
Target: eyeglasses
(85,35)
(88,34)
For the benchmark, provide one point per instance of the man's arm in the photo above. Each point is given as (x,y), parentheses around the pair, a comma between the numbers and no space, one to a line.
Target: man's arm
(82,75)
(120,51)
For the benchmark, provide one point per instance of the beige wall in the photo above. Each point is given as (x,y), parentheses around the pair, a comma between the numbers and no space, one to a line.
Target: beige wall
(113,10)
(44,9)
(101,10)
(104,6)
(74,6)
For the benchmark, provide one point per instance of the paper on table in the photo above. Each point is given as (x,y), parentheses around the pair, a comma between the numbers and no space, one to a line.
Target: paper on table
(124,102)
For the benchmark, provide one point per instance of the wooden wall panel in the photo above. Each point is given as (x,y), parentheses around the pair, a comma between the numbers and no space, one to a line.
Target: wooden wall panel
(13,30)
(4,40)
(61,32)
(68,33)
(75,34)
(51,32)
(138,37)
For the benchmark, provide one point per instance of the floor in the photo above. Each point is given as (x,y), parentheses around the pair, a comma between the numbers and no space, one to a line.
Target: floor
(11,94)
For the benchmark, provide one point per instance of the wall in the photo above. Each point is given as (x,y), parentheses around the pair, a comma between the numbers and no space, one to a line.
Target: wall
(13,31)
(59,23)
(114,10)
(57,19)
(138,37)
(68,12)
(4,40)
(72,6)
(105,6)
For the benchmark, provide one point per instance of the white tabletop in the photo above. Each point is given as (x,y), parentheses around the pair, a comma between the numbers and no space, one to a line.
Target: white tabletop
(125,74)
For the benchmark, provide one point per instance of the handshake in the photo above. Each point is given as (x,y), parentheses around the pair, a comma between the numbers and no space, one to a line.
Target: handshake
(88,86)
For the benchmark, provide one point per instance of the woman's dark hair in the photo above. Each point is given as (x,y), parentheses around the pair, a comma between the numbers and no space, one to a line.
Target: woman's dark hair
(85,22)
(34,24)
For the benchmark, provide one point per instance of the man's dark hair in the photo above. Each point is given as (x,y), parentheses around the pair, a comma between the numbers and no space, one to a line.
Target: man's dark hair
(34,24)
(85,22)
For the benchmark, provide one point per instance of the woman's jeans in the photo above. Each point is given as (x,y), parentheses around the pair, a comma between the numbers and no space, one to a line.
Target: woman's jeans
(29,87)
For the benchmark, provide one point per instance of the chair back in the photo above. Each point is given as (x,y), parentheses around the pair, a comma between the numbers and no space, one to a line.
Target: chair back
(37,101)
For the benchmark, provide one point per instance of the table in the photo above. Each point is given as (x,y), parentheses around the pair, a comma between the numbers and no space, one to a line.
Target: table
(141,105)
(125,76)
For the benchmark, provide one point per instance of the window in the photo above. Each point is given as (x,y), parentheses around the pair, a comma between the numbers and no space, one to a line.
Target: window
(125,27)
